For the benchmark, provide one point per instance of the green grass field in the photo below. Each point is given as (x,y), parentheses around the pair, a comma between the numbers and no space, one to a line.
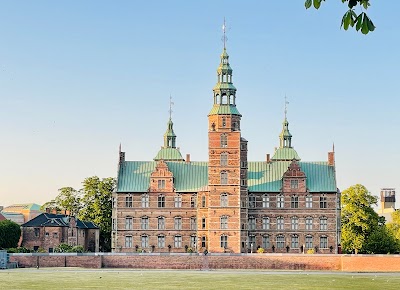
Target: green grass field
(76,278)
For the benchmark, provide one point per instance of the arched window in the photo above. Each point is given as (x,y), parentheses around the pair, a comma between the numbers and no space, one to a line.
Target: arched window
(203,201)
(265,223)
(224,199)
(224,99)
(280,201)
(266,241)
(145,200)
(144,223)
(161,241)
(145,241)
(177,223)
(224,140)
(178,200)
(223,122)
(224,159)
(309,242)
(224,241)
(161,200)
(295,242)
(252,223)
(309,223)
(224,177)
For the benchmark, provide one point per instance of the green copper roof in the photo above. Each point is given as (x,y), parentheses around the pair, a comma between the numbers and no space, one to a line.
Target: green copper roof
(285,154)
(134,176)
(224,86)
(23,206)
(224,110)
(169,153)
(266,177)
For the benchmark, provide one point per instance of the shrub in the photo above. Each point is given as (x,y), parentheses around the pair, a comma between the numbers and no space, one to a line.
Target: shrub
(77,249)
(260,250)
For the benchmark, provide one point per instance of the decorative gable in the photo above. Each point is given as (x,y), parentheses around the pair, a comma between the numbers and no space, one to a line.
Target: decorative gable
(161,179)
(294,179)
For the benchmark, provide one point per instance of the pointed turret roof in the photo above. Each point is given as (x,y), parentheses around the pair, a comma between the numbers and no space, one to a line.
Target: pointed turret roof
(169,151)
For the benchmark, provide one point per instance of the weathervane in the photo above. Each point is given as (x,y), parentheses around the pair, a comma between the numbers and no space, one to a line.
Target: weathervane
(224,38)
(286,103)
(170,106)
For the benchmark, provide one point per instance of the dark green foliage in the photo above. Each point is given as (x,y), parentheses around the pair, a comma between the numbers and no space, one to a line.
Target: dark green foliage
(350,18)
(10,233)
(381,241)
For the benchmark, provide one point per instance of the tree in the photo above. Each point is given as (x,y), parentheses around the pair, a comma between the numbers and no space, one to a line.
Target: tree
(10,233)
(394,225)
(359,219)
(381,241)
(351,18)
(68,198)
(96,201)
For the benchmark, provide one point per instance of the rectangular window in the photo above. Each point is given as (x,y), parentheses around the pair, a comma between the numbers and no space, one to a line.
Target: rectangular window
(224,242)
(178,201)
(193,223)
(323,224)
(193,241)
(323,242)
(128,242)
(252,201)
(224,200)
(295,223)
(224,222)
(280,201)
(161,184)
(178,241)
(114,225)
(266,242)
(145,242)
(243,182)
(128,223)
(128,201)
(265,223)
(145,200)
(309,223)
(279,223)
(144,223)
(161,201)
(193,203)
(294,184)
(203,201)
(280,242)
(309,242)
(322,201)
(265,201)
(224,177)
(37,232)
(243,164)
(203,223)
(178,223)
(161,223)
(203,242)
(224,159)
(252,223)
(224,140)
(309,201)
(161,241)
(252,241)
(294,202)
(295,242)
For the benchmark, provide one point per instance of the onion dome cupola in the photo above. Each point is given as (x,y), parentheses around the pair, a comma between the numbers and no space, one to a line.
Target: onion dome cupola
(224,90)
(169,152)
(285,152)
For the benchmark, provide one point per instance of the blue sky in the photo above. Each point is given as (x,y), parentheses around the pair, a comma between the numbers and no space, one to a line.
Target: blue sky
(79,77)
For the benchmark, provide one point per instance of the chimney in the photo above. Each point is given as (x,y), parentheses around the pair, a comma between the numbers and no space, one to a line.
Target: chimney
(47,210)
(331,158)
(187,158)
(268,158)
(54,210)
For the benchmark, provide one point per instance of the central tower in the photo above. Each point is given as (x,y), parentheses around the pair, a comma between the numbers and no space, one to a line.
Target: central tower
(227,167)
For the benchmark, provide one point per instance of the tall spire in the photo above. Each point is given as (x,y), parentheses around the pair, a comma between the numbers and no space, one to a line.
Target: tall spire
(224,90)
(169,136)
(285,136)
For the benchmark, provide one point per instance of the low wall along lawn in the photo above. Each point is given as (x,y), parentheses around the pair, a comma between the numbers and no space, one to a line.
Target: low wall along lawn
(347,263)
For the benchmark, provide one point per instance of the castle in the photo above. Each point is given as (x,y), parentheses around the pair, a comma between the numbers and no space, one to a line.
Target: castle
(226,204)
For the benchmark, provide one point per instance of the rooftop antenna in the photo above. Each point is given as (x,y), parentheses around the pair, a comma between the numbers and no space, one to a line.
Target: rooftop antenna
(224,38)
(171,103)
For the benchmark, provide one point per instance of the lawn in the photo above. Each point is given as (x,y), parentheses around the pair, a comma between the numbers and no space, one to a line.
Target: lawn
(76,278)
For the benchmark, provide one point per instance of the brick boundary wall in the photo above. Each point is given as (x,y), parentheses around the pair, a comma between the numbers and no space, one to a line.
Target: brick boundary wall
(346,263)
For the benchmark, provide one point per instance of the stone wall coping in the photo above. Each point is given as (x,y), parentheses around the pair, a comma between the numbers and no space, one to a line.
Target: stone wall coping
(201,254)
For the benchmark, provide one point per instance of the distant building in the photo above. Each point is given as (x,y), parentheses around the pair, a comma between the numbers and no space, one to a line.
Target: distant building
(282,204)
(2,218)
(48,230)
(21,213)
(388,203)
